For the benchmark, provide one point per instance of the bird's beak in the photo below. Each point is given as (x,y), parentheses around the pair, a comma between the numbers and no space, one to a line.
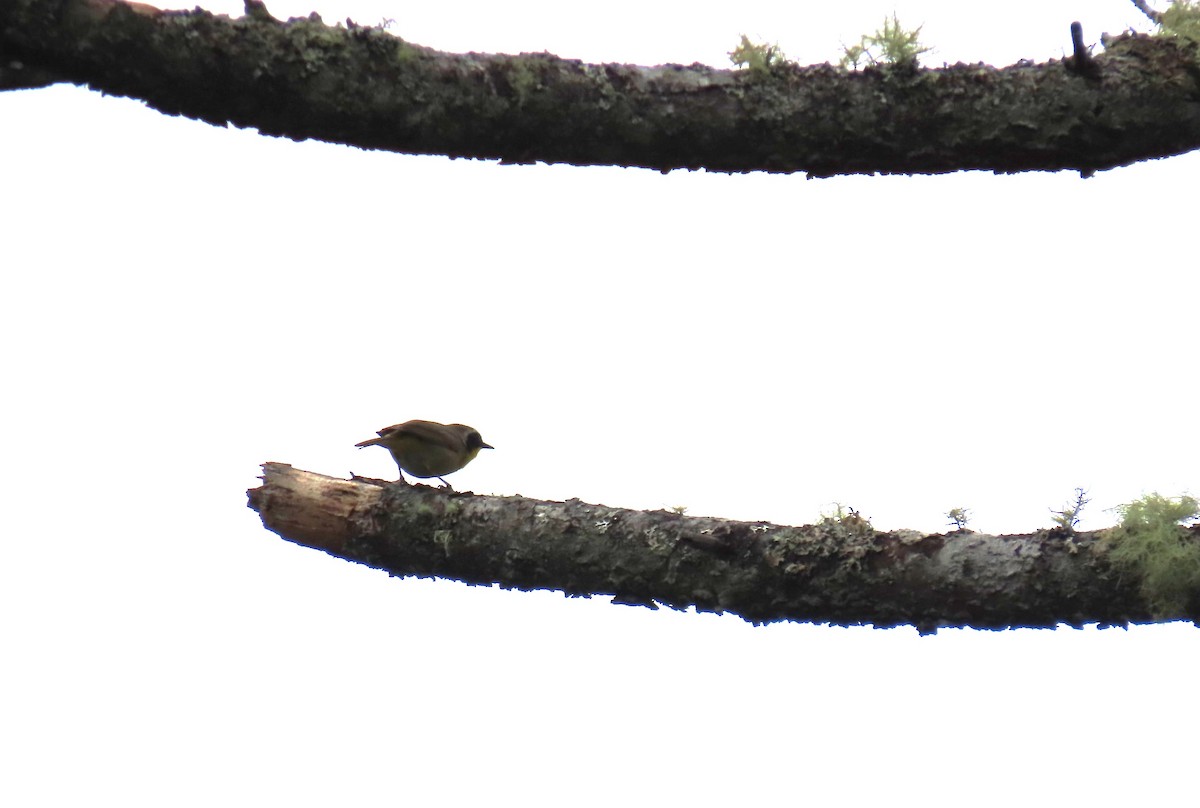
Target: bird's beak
(486,446)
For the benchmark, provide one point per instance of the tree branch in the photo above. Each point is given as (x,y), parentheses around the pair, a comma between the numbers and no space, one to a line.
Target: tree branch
(15,75)
(363,87)
(1144,7)
(840,571)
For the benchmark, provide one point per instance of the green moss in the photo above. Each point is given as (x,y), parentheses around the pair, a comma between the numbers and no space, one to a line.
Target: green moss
(959,517)
(524,79)
(891,44)
(1182,20)
(1068,517)
(845,523)
(1151,545)
(758,57)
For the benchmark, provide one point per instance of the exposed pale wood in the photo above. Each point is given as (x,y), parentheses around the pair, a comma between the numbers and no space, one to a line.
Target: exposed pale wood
(312,509)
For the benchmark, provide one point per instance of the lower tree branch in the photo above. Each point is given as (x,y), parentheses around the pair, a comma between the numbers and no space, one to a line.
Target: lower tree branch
(362,86)
(841,571)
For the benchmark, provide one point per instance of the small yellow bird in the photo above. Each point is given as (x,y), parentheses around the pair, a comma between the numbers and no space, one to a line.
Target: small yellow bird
(429,449)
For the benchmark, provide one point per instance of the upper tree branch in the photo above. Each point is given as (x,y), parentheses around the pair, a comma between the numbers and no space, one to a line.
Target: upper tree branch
(837,572)
(364,87)
(1144,7)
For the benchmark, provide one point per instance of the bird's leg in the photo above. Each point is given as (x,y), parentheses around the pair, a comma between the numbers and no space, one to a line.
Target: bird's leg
(446,485)
(402,481)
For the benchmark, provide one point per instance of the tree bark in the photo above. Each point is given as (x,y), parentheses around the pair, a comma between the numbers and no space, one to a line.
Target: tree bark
(840,572)
(361,86)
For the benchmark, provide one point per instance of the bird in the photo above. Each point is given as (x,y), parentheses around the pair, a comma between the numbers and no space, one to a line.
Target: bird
(428,449)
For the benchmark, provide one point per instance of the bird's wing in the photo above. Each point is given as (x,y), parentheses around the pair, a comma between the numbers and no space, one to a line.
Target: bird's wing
(427,431)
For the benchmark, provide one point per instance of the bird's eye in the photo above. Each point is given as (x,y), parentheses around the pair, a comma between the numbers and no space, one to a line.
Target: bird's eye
(474,439)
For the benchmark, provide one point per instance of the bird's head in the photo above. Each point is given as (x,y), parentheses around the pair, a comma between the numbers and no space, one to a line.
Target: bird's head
(475,441)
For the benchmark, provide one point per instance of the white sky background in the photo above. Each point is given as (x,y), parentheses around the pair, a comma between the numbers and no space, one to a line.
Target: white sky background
(183,303)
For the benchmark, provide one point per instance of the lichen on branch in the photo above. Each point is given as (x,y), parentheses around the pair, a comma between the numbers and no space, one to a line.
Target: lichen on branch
(1152,545)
